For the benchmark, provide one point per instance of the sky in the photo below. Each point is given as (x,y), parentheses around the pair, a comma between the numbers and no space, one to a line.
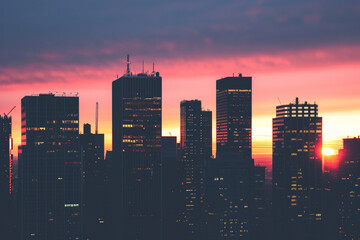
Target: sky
(307,49)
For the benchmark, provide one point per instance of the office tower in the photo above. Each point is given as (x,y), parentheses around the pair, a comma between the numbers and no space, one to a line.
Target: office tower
(259,208)
(230,176)
(50,168)
(229,196)
(195,132)
(297,170)
(349,189)
(171,189)
(137,104)
(92,149)
(233,115)
(6,186)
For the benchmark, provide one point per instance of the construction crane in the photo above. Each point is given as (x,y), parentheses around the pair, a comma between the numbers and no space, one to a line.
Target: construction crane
(97,118)
(9,112)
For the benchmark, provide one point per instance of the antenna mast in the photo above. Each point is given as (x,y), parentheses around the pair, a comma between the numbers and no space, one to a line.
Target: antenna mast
(128,65)
(97,118)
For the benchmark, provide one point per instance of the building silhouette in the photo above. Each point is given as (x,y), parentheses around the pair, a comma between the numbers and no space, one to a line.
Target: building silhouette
(136,163)
(7,207)
(195,139)
(231,183)
(50,168)
(233,115)
(297,171)
(349,189)
(229,196)
(172,190)
(92,149)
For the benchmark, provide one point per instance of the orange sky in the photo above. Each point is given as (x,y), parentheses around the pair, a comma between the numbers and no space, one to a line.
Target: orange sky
(328,77)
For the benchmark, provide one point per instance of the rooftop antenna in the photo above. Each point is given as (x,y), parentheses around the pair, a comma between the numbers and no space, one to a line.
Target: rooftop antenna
(143,67)
(128,65)
(96,118)
(279,101)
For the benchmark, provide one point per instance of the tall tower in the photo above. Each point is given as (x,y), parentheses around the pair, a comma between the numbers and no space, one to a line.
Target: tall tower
(50,168)
(5,155)
(92,150)
(6,187)
(195,138)
(137,108)
(349,189)
(233,115)
(297,170)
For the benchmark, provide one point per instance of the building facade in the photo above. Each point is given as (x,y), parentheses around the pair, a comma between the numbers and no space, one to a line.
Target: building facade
(92,150)
(50,168)
(233,115)
(349,189)
(297,170)
(7,217)
(195,139)
(136,163)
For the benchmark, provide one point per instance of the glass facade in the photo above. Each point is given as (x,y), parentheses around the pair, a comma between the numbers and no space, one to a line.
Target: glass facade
(50,168)
(297,169)
(137,104)
(349,190)
(233,115)
(195,139)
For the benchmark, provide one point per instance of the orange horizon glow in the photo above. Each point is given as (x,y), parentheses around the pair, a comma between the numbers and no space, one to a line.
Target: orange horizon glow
(281,83)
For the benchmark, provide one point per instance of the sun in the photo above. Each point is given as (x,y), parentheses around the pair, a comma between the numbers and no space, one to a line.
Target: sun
(328,151)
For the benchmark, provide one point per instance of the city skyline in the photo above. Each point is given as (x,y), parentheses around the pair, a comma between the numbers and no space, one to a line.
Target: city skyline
(261,122)
(285,46)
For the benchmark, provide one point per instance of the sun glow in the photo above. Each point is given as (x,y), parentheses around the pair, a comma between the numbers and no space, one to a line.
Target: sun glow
(328,151)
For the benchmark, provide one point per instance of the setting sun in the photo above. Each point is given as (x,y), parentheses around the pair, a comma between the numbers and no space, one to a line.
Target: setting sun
(328,151)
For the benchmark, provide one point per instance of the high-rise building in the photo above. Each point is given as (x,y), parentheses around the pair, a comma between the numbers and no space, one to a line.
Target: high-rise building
(92,149)
(6,157)
(136,178)
(6,180)
(230,176)
(195,139)
(233,115)
(50,168)
(171,188)
(229,196)
(349,189)
(297,171)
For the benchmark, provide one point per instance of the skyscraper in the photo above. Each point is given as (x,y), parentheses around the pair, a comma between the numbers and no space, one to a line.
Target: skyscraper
(297,170)
(231,174)
(92,149)
(233,115)
(50,168)
(137,104)
(6,186)
(195,139)
(171,188)
(6,158)
(349,189)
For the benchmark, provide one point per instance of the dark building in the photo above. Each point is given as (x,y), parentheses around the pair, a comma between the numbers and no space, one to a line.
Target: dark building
(6,179)
(172,189)
(50,168)
(229,196)
(195,139)
(349,189)
(92,149)
(260,210)
(233,115)
(136,178)
(230,180)
(297,171)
